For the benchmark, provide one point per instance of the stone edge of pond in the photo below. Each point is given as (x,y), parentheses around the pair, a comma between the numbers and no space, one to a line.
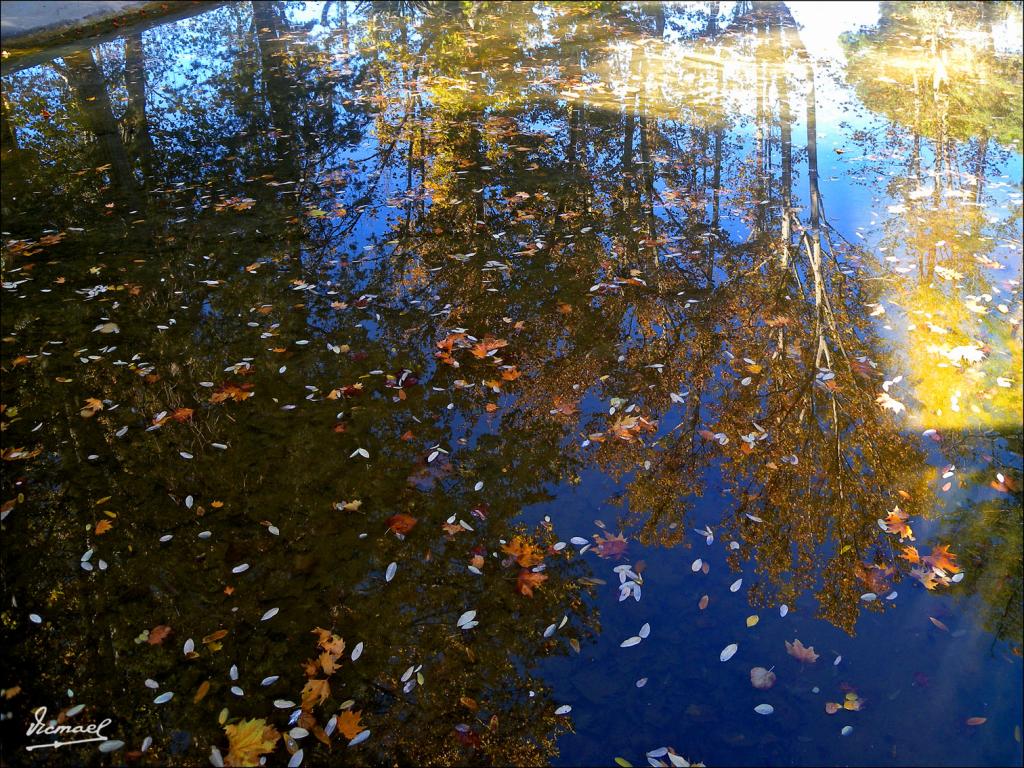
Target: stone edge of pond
(27,48)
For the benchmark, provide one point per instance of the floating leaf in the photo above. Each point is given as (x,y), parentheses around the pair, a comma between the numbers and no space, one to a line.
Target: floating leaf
(728,652)
(248,740)
(762,678)
(804,655)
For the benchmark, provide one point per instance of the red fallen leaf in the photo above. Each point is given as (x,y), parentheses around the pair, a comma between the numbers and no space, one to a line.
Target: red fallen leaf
(832,707)
(703,602)
(528,581)
(976,720)
(229,391)
(401,523)
(611,546)
(158,634)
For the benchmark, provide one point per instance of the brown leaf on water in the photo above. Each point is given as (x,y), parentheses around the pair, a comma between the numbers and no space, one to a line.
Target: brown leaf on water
(526,553)
(92,406)
(182,414)
(401,523)
(204,689)
(976,720)
(704,602)
(942,558)
(762,678)
(248,740)
(349,725)
(527,581)
(804,655)
(896,522)
(315,692)
(611,546)
(938,624)
(329,642)
(158,634)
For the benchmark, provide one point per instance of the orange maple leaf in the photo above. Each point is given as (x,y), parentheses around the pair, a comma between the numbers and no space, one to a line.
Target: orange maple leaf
(896,522)
(910,555)
(329,642)
(315,692)
(248,740)
(804,655)
(92,406)
(103,526)
(525,552)
(528,581)
(483,348)
(349,725)
(231,392)
(942,558)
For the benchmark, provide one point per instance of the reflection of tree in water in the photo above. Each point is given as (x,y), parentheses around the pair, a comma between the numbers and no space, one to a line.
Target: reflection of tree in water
(370,161)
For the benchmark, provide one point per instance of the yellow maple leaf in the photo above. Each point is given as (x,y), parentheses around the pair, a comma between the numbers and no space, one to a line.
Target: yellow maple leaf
(349,725)
(248,740)
(329,642)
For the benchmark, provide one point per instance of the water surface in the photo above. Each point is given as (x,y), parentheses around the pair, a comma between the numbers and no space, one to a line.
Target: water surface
(672,327)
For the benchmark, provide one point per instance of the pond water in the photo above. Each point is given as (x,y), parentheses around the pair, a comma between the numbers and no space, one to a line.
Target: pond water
(649,333)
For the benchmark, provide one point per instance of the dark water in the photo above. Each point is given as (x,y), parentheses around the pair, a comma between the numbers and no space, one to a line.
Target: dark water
(735,282)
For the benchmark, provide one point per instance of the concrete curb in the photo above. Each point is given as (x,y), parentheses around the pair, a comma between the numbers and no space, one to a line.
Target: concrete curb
(32,31)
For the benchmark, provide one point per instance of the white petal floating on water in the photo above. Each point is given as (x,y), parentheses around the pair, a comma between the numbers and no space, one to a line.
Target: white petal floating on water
(958,577)
(296,760)
(111,745)
(163,698)
(735,586)
(577,541)
(35,618)
(240,568)
(678,760)
(185,454)
(359,739)
(465,618)
(728,652)
(390,573)
(629,642)
(270,614)
(357,651)
(74,710)
(237,691)
(836,662)
(783,610)
(298,733)
(696,565)
(764,709)
(146,744)
(269,680)
(190,645)
(478,486)
(550,630)
(869,597)
(233,672)
(151,683)
(565,709)
(892,595)
(847,730)
(283,703)
(216,759)
(641,682)
(659,752)
(645,631)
